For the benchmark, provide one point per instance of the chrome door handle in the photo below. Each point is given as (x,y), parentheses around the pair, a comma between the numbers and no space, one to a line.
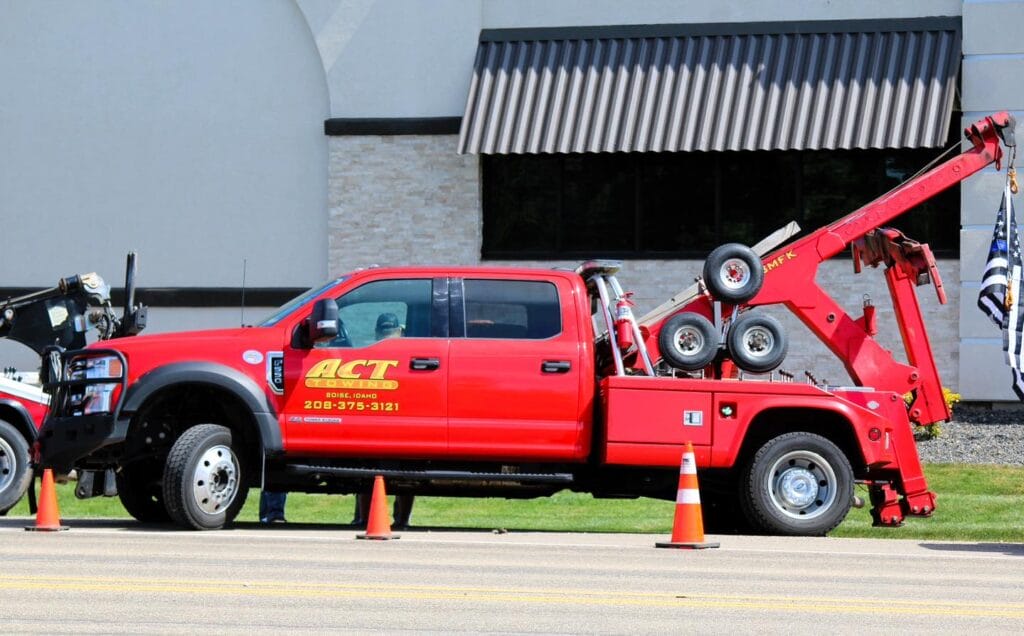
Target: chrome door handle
(555,366)
(425,364)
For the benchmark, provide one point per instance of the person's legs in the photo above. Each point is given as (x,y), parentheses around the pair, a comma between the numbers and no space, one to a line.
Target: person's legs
(362,511)
(272,506)
(403,510)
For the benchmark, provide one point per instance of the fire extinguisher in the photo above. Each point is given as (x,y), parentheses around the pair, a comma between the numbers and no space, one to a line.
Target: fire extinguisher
(624,322)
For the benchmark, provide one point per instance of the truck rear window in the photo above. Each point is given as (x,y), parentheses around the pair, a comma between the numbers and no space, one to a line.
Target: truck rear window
(512,309)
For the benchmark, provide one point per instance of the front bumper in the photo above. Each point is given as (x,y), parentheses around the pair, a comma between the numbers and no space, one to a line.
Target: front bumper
(65,441)
(69,437)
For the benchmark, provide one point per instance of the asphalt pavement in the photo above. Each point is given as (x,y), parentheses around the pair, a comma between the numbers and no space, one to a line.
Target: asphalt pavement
(116,576)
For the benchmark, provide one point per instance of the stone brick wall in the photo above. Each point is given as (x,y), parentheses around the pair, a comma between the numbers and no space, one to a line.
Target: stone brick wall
(412,200)
(401,200)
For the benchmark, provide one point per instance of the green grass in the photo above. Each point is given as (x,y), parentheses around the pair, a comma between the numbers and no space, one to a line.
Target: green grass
(975,503)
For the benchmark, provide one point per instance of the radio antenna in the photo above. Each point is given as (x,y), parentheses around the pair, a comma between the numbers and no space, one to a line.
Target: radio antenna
(244,263)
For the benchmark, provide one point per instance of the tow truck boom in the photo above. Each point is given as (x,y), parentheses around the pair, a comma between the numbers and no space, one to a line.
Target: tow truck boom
(907,264)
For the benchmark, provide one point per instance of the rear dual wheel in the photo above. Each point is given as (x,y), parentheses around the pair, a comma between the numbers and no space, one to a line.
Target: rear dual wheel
(798,484)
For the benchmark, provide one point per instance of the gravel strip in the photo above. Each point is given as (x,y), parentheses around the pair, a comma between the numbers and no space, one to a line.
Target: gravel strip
(978,435)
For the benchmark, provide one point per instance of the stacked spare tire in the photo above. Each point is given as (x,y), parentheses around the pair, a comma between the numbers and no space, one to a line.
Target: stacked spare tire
(754,341)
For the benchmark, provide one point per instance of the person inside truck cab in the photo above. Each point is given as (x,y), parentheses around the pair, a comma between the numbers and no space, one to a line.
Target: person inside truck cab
(387,326)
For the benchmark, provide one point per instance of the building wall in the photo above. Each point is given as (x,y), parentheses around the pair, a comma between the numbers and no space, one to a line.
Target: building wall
(402,200)
(190,131)
(993,45)
(379,184)
(412,58)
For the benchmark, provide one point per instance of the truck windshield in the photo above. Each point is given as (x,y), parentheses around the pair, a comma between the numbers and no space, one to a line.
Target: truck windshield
(297,302)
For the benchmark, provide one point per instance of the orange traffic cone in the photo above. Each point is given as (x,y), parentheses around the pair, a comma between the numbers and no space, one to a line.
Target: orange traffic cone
(379,526)
(688,525)
(47,516)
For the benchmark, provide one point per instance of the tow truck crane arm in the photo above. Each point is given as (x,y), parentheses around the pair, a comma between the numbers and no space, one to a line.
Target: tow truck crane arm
(907,263)
(791,272)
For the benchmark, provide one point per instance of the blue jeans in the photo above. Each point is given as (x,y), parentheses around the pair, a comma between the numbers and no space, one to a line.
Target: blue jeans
(272,506)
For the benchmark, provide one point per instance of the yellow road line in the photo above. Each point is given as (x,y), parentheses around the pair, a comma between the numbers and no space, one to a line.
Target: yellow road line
(811,605)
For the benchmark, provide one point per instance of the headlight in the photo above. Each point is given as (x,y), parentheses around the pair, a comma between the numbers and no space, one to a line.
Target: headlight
(97,397)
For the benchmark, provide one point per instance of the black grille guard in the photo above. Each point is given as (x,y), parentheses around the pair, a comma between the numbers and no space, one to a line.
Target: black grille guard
(61,389)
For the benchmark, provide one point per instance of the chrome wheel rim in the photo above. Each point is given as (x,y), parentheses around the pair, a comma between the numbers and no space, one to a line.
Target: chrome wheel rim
(215,480)
(802,485)
(689,341)
(8,464)
(758,341)
(734,273)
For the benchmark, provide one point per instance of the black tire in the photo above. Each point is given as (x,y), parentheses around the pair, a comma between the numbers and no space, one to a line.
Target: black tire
(797,484)
(733,273)
(141,492)
(688,341)
(757,342)
(15,474)
(204,483)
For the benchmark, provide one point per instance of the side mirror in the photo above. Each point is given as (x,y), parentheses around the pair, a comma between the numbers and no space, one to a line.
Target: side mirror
(323,322)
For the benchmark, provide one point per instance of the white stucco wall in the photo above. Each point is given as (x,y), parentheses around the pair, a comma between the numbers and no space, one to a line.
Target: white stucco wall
(191,131)
(413,58)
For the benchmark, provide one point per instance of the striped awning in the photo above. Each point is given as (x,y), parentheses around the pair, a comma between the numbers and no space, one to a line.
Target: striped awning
(768,86)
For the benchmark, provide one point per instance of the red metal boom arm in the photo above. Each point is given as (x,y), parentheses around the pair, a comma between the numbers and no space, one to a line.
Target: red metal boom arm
(790,274)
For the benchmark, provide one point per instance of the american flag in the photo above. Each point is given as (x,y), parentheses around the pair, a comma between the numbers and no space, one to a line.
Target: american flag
(1000,297)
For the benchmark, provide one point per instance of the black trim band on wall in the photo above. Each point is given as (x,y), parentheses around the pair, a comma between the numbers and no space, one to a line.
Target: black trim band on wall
(191,296)
(931,23)
(341,127)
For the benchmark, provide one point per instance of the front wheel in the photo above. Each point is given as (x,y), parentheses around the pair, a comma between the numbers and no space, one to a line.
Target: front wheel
(15,475)
(203,480)
(797,484)
(141,494)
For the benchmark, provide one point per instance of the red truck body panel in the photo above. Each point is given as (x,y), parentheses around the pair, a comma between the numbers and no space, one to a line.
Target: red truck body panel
(648,419)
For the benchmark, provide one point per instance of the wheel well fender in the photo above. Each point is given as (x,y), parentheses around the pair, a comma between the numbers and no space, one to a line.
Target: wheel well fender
(211,374)
(18,416)
(827,423)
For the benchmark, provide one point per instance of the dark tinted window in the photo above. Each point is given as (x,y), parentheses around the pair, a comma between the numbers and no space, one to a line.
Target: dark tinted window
(665,205)
(511,309)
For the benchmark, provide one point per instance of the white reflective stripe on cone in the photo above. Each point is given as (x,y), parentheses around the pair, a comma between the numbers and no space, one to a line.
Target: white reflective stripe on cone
(689,465)
(688,496)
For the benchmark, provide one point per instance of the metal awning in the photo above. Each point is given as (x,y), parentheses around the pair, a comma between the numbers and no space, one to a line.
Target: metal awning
(767,86)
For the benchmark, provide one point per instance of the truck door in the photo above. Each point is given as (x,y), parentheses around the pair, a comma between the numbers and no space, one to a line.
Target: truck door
(514,372)
(378,389)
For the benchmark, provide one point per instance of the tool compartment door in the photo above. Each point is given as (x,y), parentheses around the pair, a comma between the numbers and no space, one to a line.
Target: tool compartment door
(648,419)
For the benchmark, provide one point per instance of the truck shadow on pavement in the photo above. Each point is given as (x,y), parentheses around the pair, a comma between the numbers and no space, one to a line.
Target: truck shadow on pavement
(1010,549)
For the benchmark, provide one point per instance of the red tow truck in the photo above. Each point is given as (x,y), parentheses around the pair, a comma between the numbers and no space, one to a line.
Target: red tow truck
(523,382)
(56,318)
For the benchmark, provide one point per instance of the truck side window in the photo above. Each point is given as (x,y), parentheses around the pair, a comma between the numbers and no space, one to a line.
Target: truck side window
(360,310)
(512,309)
